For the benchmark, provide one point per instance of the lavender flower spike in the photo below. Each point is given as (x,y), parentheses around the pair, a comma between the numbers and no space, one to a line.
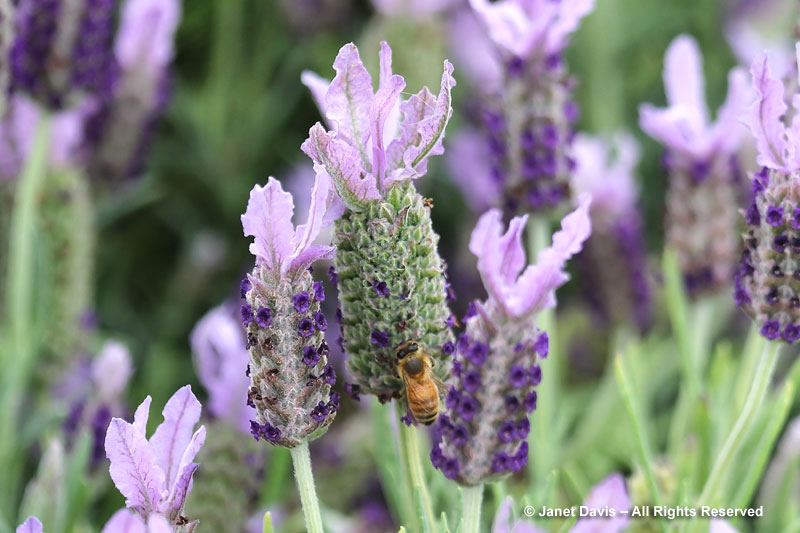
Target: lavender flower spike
(482,434)
(221,359)
(530,117)
(702,163)
(122,127)
(614,261)
(391,278)
(289,387)
(155,475)
(30,525)
(765,284)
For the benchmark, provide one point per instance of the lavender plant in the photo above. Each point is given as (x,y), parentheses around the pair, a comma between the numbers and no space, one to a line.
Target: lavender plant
(289,372)
(390,276)
(701,158)
(614,263)
(483,434)
(530,115)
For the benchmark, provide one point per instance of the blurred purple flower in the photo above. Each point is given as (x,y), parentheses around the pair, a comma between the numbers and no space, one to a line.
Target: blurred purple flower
(748,45)
(221,359)
(614,264)
(477,439)
(610,182)
(684,127)
(703,167)
(721,526)
(62,49)
(468,161)
(111,371)
(474,52)
(155,476)
(609,493)
(120,131)
(30,525)
(531,28)
(363,154)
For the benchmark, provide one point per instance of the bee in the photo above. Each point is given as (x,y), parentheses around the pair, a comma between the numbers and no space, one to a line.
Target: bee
(422,388)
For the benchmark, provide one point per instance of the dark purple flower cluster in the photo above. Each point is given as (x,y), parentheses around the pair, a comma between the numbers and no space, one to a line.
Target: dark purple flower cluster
(770,294)
(322,409)
(479,438)
(614,272)
(531,155)
(266,431)
(64,47)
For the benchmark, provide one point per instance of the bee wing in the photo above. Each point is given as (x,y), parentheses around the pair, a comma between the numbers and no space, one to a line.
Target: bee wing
(440,386)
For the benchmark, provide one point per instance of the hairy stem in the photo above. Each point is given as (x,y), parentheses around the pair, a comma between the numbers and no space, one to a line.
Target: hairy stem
(305,484)
(471,516)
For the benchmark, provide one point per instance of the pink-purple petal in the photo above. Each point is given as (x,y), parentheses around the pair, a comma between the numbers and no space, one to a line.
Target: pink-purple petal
(172,436)
(422,130)
(383,105)
(569,17)
(764,117)
(609,493)
(320,195)
(141,415)
(684,82)
(342,162)
(133,466)
(535,288)
(125,521)
(220,360)
(146,33)
(727,131)
(30,525)
(268,219)
(349,98)
(318,87)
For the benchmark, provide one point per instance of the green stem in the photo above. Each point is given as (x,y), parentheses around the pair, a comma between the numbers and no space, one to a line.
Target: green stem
(544,437)
(408,440)
(472,498)
(21,349)
(305,484)
(642,442)
(758,390)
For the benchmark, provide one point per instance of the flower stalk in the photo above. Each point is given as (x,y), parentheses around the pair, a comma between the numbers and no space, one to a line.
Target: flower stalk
(20,351)
(305,485)
(472,498)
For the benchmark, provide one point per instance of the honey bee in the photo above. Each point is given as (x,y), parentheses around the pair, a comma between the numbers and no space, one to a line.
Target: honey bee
(422,388)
